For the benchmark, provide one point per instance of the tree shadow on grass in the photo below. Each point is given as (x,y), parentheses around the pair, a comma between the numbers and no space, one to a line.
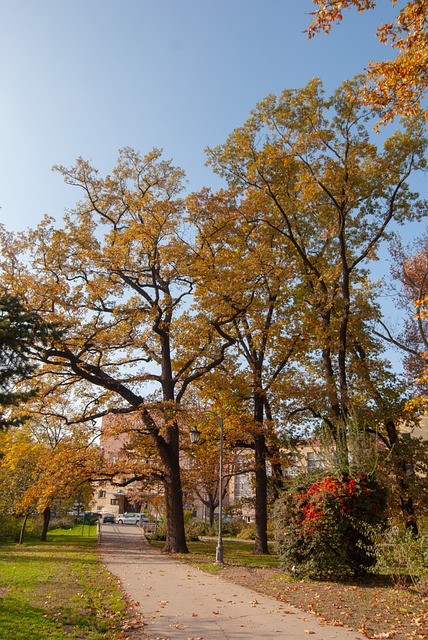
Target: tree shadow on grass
(22,621)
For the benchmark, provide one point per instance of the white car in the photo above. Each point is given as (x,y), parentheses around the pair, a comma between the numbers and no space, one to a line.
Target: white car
(133,518)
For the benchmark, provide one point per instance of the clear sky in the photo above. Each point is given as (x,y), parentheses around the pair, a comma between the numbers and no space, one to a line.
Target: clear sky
(87,77)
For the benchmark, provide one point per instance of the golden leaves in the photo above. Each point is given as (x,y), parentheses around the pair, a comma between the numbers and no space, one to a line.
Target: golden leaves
(395,86)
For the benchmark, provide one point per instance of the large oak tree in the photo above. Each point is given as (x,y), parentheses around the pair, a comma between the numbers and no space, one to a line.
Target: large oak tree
(242,270)
(114,277)
(330,194)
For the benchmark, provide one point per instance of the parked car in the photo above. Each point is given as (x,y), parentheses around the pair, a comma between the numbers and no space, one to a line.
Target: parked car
(133,518)
(108,517)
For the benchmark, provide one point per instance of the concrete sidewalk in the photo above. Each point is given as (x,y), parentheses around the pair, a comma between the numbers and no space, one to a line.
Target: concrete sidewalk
(180,602)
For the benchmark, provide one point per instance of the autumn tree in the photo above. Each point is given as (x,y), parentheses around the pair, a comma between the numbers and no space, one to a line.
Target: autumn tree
(43,463)
(68,462)
(409,268)
(317,180)
(18,471)
(395,87)
(243,272)
(114,277)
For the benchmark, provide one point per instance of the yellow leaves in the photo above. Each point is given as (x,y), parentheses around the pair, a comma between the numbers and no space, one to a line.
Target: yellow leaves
(34,472)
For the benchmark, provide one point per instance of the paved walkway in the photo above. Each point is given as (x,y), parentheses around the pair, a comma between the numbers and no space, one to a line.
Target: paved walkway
(180,602)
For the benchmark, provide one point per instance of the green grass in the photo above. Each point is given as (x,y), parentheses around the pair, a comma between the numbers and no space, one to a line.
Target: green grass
(235,552)
(58,590)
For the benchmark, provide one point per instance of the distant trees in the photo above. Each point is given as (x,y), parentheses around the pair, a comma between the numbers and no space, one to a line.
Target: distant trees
(201,470)
(410,270)
(43,464)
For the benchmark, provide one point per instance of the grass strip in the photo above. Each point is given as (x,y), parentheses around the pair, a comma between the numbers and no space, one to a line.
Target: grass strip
(202,553)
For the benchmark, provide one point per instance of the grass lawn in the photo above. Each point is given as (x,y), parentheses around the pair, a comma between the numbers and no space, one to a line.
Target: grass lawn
(202,553)
(235,551)
(59,590)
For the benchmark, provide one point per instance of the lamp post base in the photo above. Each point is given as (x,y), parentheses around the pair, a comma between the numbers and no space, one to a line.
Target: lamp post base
(219,554)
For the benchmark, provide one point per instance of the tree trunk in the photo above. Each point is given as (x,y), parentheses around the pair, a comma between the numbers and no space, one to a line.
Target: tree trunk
(212,504)
(261,543)
(168,449)
(175,535)
(277,479)
(273,453)
(406,499)
(22,532)
(46,520)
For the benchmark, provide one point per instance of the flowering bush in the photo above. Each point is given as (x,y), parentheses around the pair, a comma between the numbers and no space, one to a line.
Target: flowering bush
(325,527)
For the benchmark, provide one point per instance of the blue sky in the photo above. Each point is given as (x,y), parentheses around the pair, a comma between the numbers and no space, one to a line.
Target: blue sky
(87,77)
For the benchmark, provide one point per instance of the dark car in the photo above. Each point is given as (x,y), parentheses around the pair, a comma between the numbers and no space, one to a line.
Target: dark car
(108,517)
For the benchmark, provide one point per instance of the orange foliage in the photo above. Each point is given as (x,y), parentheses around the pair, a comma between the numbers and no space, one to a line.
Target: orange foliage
(395,86)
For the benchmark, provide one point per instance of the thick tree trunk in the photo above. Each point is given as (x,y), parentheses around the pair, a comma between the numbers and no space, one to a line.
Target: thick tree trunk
(46,520)
(175,534)
(168,449)
(261,543)
(406,499)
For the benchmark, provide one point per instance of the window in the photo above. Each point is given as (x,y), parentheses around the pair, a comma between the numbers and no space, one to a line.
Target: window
(242,486)
(102,494)
(292,466)
(114,501)
(314,461)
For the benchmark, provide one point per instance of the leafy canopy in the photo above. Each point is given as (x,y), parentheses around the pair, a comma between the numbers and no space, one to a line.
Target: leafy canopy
(394,86)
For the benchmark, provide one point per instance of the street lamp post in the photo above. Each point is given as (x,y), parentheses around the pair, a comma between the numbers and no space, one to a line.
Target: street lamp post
(194,438)
(219,550)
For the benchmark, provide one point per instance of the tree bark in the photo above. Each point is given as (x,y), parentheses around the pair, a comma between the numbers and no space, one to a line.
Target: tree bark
(175,534)
(260,544)
(406,499)
(22,532)
(46,520)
